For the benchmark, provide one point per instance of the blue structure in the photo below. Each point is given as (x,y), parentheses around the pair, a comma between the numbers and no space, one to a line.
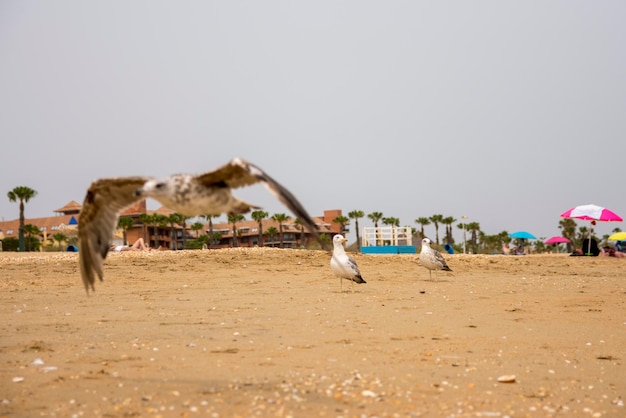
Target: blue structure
(390,249)
(387,240)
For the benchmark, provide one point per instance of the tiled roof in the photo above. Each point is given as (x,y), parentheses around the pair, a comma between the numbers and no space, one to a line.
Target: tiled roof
(71,206)
(51,224)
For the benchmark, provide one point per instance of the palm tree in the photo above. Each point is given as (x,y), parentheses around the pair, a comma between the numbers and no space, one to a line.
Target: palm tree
(271,232)
(259,215)
(160,221)
(423,222)
(183,222)
(375,217)
(342,221)
(463,227)
(492,243)
(297,222)
(568,230)
(393,222)
(583,232)
(436,219)
(31,230)
(280,218)
(145,220)
(174,219)
(356,214)
(473,228)
(155,220)
(23,194)
(125,223)
(215,239)
(448,221)
(196,227)
(60,238)
(233,219)
(210,217)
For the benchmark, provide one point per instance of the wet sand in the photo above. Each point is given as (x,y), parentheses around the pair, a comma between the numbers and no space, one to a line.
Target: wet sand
(266,332)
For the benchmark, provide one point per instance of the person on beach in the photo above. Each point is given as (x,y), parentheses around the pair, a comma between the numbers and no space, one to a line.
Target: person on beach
(611,252)
(139,245)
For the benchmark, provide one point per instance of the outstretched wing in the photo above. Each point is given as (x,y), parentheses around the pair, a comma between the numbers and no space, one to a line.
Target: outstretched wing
(239,173)
(98,217)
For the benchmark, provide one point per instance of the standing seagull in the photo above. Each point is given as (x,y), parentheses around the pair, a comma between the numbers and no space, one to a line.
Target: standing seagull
(190,195)
(432,259)
(342,265)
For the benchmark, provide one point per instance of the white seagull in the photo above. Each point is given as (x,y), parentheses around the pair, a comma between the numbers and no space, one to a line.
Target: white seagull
(432,259)
(190,195)
(342,265)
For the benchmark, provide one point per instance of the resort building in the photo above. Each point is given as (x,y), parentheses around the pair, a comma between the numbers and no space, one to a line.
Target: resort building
(164,234)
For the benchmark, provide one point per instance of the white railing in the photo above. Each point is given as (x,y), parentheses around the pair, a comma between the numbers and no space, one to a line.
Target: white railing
(386,235)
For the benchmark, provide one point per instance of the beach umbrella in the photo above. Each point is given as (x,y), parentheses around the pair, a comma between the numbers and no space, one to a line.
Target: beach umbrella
(592,213)
(618,236)
(522,235)
(556,240)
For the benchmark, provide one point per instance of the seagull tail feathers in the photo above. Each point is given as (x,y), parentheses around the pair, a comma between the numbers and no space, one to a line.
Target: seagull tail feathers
(358,279)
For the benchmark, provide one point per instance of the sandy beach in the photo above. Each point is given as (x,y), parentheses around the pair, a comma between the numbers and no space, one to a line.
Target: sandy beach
(267,332)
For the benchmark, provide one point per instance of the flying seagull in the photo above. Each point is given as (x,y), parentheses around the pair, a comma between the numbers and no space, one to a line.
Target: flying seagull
(432,259)
(342,265)
(190,195)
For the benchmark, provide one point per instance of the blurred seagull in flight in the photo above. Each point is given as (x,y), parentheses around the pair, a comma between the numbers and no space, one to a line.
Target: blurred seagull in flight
(190,195)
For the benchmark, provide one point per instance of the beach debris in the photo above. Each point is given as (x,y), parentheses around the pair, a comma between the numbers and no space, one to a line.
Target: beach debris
(368,394)
(609,357)
(39,362)
(507,378)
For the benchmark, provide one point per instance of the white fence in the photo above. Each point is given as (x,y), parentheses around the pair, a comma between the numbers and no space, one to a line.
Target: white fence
(386,235)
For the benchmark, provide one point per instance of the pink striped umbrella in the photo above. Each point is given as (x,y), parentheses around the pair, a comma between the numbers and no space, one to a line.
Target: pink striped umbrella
(592,213)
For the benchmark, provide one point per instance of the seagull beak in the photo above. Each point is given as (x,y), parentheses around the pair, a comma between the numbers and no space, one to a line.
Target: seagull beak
(345,240)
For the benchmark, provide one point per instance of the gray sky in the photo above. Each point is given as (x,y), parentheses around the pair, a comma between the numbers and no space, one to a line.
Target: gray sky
(507,112)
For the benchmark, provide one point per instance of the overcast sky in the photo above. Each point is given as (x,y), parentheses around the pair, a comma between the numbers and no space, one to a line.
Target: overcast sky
(508,112)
